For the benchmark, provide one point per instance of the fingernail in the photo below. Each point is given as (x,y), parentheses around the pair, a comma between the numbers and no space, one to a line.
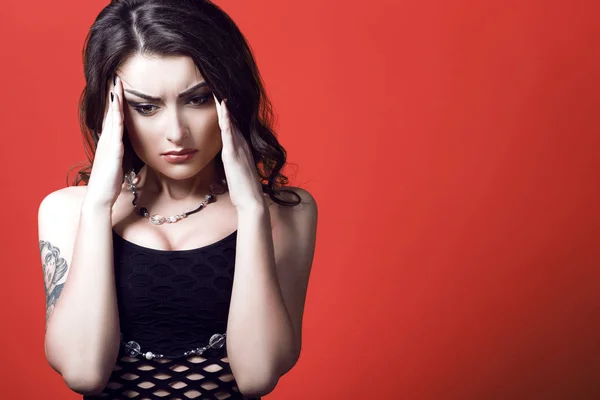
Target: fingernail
(111,97)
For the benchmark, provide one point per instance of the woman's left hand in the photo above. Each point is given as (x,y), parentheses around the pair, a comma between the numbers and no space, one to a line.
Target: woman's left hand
(244,184)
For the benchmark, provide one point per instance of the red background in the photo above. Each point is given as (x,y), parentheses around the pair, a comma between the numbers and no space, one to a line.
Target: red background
(452,147)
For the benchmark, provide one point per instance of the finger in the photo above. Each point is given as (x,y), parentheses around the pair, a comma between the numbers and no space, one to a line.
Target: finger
(225,117)
(120,114)
(226,126)
(108,118)
(218,106)
(119,91)
(108,90)
(117,118)
(107,108)
(220,119)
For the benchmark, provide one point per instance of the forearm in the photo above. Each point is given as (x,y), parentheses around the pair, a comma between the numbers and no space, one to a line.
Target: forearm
(260,335)
(82,337)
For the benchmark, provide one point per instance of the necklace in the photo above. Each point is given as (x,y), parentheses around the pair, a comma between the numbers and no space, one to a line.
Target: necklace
(157,219)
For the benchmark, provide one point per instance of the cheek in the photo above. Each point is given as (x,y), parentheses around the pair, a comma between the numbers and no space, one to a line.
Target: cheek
(215,132)
(215,136)
(205,123)
(205,128)
(140,132)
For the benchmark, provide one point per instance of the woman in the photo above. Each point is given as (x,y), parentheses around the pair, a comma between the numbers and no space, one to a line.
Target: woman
(180,268)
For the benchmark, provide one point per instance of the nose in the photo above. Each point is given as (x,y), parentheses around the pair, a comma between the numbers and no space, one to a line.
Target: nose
(177,130)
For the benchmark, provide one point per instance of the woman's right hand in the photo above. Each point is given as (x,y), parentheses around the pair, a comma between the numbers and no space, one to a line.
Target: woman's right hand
(106,178)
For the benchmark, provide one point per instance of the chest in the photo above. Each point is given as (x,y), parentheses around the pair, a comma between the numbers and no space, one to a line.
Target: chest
(169,299)
(208,226)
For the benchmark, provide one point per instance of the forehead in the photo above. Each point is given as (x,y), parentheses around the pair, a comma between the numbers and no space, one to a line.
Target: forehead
(153,73)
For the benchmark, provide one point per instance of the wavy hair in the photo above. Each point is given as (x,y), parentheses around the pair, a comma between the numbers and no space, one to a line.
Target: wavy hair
(202,31)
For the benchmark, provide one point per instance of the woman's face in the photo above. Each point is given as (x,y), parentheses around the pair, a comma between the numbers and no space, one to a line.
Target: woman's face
(175,118)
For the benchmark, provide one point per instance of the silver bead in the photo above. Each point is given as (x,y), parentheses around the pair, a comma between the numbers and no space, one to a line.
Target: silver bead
(130,177)
(149,355)
(216,341)
(134,348)
(157,219)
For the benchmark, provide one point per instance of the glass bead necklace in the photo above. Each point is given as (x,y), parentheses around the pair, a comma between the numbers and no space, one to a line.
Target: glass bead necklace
(157,219)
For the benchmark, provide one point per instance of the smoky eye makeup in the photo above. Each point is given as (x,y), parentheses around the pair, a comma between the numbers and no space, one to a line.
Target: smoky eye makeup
(148,107)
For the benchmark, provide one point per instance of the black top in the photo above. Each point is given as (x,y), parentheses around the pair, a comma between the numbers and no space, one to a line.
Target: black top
(171,302)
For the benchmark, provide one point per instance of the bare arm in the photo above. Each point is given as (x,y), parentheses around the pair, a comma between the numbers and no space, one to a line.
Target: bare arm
(272,269)
(82,325)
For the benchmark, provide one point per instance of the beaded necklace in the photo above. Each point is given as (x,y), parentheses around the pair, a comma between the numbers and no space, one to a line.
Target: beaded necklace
(157,219)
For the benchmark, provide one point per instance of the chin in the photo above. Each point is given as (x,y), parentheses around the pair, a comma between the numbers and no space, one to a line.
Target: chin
(179,171)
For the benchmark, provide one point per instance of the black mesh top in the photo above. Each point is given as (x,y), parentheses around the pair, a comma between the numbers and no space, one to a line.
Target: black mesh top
(171,302)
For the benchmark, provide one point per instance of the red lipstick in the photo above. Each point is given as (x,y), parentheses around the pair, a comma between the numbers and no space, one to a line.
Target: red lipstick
(176,156)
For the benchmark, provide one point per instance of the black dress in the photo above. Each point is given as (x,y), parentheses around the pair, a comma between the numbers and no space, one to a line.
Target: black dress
(171,302)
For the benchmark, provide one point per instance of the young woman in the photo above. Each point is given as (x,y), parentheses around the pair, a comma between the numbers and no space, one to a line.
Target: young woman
(179,269)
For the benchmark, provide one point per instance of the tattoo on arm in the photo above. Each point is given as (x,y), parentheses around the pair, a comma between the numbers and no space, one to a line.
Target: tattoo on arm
(55,269)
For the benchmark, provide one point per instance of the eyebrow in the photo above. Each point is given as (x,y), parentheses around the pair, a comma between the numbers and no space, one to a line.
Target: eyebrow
(182,94)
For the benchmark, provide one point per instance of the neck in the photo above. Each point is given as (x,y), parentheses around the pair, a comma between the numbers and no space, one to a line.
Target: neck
(166,188)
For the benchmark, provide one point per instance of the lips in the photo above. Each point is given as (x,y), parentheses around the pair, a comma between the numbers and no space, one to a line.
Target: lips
(179,152)
(179,156)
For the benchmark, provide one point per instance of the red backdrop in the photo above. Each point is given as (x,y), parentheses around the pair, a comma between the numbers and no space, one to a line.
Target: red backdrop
(452,147)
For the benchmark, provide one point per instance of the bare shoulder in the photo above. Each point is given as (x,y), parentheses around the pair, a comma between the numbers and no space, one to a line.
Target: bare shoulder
(58,216)
(290,219)
(307,203)
(305,196)
(65,200)
(297,223)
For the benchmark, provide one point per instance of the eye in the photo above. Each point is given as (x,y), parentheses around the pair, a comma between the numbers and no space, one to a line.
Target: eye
(143,109)
(199,100)
(147,109)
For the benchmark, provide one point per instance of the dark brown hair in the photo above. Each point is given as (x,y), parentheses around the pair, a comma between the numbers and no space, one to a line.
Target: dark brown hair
(198,29)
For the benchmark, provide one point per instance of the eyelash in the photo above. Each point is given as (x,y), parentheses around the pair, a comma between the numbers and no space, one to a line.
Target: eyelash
(138,107)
